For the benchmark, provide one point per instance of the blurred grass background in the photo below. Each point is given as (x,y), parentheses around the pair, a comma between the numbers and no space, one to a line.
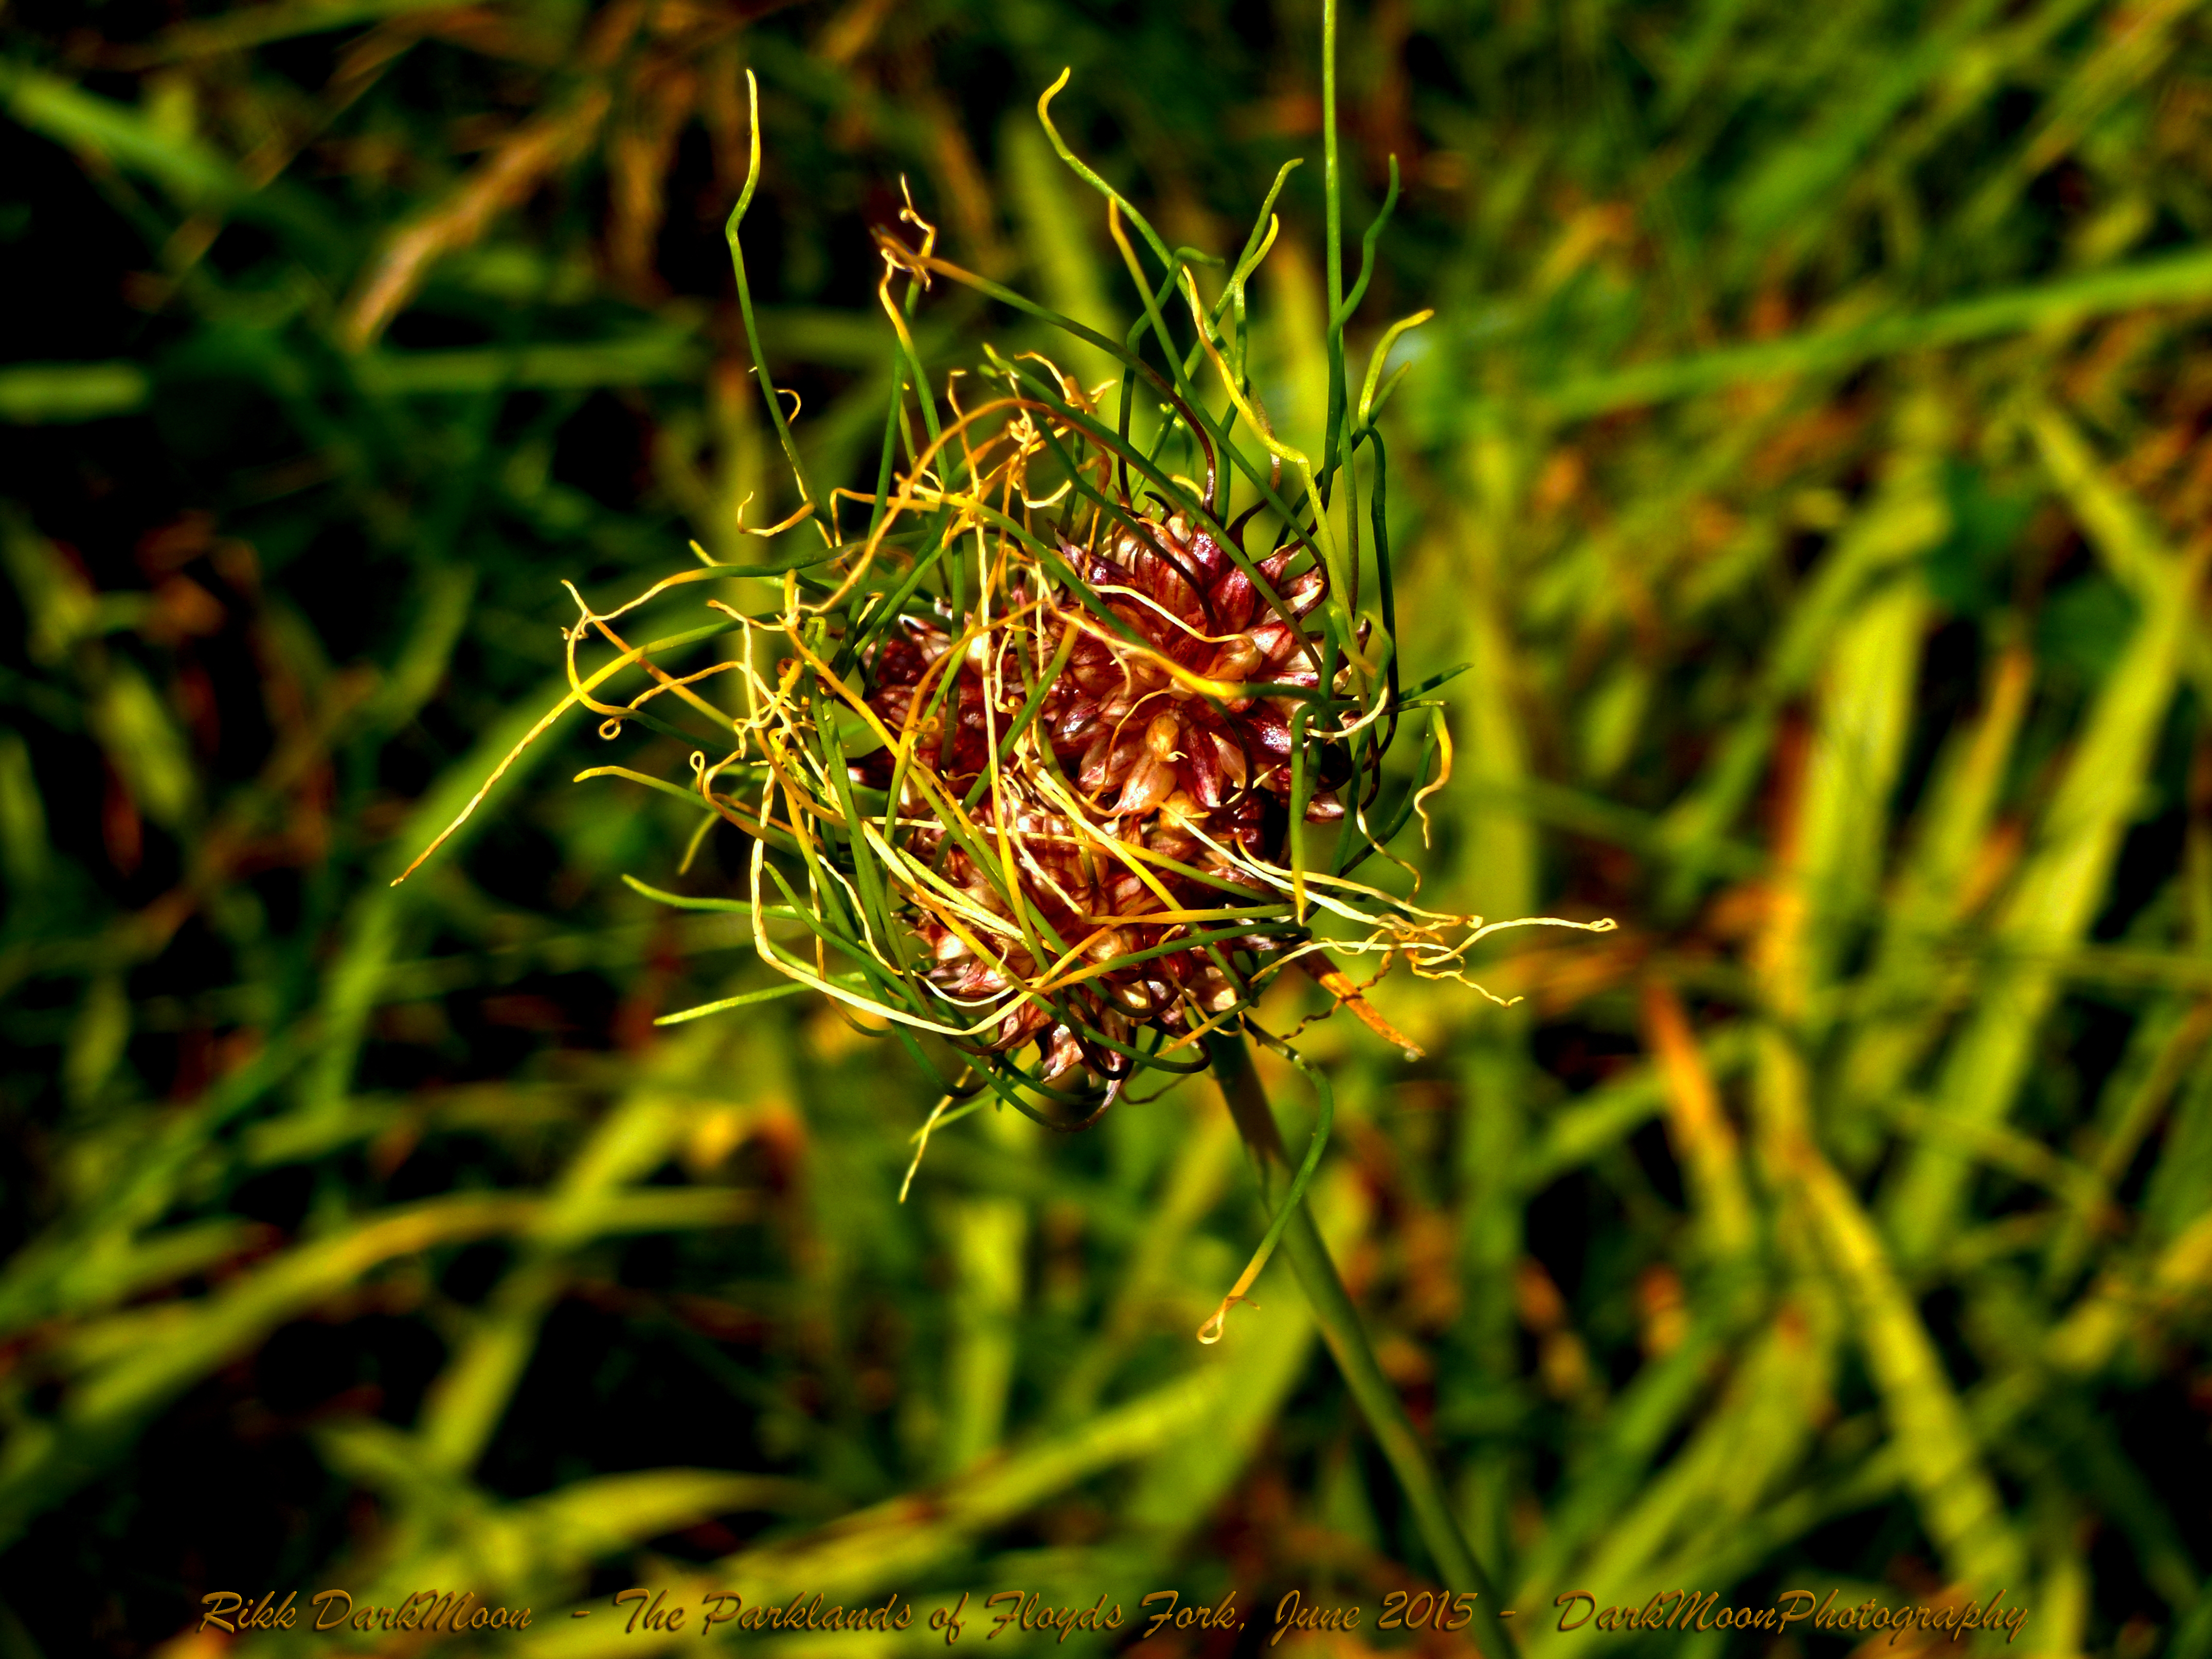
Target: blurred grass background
(1808,456)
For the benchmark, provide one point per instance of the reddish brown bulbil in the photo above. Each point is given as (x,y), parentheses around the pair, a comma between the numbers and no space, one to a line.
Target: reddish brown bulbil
(1154,764)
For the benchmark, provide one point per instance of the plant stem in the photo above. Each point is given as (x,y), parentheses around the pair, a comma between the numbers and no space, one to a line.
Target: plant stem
(1340,1329)
(1333,196)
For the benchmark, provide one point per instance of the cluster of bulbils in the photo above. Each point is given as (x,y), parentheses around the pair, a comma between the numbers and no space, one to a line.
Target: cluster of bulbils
(1192,775)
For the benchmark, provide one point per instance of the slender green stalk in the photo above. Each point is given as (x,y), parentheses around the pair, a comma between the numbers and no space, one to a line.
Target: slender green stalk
(1340,1329)
(1332,196)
